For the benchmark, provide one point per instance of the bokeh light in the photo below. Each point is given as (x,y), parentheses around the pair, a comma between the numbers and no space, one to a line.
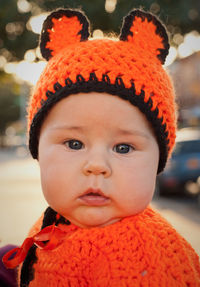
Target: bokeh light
(97,34)
(171,56)
(29,70)
(190,44)
(36,22)
(30,56)
(110,5)
(23,6)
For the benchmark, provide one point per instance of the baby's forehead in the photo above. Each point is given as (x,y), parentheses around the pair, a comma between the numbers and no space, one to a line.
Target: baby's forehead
(85,112)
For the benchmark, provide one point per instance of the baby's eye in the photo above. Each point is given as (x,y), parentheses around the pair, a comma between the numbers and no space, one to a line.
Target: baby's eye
(123,148)
(74,144)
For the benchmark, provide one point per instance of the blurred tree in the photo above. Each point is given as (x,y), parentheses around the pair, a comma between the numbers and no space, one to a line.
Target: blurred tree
(15,38)
(181,16)
(9,102)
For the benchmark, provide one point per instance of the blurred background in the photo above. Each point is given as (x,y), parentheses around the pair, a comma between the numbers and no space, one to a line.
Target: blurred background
(177,194)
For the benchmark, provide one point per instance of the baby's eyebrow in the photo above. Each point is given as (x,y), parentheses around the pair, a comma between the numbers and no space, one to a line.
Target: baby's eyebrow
(66,127)
(132,132)
(117,131)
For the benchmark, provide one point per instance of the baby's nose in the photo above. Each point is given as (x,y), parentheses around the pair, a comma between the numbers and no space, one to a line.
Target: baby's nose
(97,167)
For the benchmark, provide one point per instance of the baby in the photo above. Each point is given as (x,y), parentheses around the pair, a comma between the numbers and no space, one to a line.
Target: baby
(102,125)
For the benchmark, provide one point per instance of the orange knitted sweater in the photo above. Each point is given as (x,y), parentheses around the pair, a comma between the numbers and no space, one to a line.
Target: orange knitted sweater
(141,250)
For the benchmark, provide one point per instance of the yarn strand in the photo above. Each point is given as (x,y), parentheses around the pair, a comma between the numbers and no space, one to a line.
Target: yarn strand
(53,234)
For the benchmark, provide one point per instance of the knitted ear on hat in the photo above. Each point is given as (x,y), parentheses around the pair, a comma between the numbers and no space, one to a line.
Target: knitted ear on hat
(130,68)
(62,28)
(146,31)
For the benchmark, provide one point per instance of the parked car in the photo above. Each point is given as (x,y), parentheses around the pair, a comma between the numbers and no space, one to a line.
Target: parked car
(183,169)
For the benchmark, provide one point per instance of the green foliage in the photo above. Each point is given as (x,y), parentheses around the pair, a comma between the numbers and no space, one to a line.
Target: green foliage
(21,39)
(9,101)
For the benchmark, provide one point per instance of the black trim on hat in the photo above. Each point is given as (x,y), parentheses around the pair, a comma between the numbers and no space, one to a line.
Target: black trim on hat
(48,24)
(116,89)
(160,30)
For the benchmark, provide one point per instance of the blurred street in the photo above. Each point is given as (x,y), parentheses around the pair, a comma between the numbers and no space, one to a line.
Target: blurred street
(22,202)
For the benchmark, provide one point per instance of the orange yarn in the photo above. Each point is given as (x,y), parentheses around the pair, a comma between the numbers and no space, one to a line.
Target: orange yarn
(136,59)
(144,36)
(141,250)
(66,36)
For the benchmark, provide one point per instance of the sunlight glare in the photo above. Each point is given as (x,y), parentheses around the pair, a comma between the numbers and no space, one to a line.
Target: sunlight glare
(10,68)
(36,22)
(30,72)
(2,62)
(171,57)
(30,56)
(190,45)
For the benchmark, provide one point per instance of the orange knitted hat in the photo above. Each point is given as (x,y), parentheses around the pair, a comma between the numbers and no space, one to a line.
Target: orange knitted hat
(130,68)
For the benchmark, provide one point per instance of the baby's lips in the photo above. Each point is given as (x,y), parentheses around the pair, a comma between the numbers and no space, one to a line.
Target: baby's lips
(94,191)
(94,197)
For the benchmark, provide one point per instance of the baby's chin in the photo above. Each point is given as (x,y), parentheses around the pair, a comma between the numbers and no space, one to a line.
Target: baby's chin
(93,221)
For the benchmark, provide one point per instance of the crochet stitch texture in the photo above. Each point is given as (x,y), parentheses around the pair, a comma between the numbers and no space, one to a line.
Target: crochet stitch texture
(141,250)
(130,68)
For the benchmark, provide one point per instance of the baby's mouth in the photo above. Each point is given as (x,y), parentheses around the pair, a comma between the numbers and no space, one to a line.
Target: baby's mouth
(94,197)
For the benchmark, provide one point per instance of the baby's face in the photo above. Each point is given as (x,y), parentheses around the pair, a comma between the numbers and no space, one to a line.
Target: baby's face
(98,159)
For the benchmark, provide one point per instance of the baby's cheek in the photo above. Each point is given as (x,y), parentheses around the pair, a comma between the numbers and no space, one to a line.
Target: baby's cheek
(137,202)
(136,191)
(49,180)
